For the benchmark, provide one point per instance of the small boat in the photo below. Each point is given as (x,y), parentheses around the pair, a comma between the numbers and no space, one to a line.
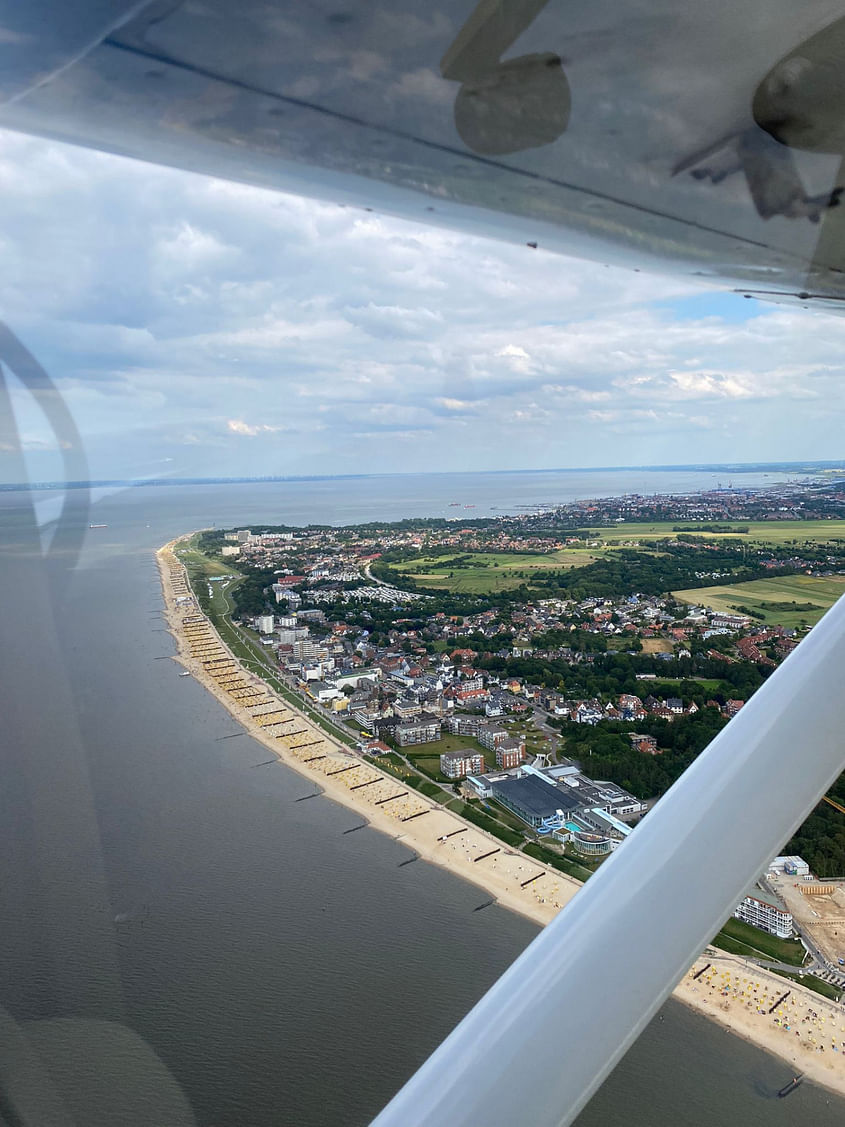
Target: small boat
(185,674)
(98,526)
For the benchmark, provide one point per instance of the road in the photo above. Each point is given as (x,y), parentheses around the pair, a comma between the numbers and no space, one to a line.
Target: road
(372,578)
(819,970)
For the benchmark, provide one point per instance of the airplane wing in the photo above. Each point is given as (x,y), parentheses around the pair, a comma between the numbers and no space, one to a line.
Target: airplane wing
(701,139)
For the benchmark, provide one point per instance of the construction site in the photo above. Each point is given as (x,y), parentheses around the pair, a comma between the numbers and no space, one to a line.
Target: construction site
(818,909)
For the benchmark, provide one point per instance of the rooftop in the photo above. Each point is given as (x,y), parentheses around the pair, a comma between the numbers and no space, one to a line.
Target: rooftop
(757,892)
(541,799)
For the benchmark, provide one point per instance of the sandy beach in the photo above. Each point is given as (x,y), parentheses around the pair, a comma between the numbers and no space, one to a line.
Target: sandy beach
(806,1029)
(774,1013)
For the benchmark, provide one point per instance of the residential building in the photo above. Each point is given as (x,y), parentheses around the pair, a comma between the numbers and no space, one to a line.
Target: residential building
(730,621)
(764,910)
(509,753)
(489,735)
(406,709)
(646,744)
(471,696)
(462,725)
(288,636)
(470,683)
(423,729)
(456,764)
(305,650)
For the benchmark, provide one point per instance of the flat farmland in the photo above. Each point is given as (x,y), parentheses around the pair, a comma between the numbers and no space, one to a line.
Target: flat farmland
(776,532)
(477,573)
(773,599)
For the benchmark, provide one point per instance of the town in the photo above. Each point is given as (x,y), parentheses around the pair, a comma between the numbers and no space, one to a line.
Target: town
(547,675)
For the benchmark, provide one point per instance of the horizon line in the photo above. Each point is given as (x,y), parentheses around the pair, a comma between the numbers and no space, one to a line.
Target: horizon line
(734,467)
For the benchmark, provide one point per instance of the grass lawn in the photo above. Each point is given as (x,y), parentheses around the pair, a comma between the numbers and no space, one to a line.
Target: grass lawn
(556,861)
(389,757)
(706,684)
(430,766)
(760,594)
(429,789)
(430,753)
(813,983)
(733,947)
(392,765)
(760,942)
(485,821)
(505,816)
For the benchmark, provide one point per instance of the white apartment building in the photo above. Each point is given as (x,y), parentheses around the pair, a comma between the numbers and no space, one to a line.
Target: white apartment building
(764,910)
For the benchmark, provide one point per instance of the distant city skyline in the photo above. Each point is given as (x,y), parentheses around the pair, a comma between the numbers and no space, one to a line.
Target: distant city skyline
(199,328)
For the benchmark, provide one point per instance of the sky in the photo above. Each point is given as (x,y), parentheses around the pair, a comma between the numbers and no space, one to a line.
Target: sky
(196,327)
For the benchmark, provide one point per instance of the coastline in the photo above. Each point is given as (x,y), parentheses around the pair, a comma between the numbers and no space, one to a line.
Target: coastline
(437,835)
(806,1029)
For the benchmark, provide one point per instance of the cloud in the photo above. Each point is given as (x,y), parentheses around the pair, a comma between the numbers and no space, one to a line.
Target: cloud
(250,430)
(181,316)
(457,405)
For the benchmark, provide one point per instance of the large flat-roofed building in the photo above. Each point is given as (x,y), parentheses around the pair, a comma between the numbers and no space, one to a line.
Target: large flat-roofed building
(531,798)
(456,764)
(791,866)
(763,909)
(556,794)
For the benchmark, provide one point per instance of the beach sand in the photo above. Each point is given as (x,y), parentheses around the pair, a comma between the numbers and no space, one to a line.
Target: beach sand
(730,992)
(805,1028)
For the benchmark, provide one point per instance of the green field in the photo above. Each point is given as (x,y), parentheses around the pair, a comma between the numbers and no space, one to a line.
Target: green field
(199,564)
(813,983)
(427,756)
(489,572)
(777,532)
(770,598)
(666,685)
(741,938)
